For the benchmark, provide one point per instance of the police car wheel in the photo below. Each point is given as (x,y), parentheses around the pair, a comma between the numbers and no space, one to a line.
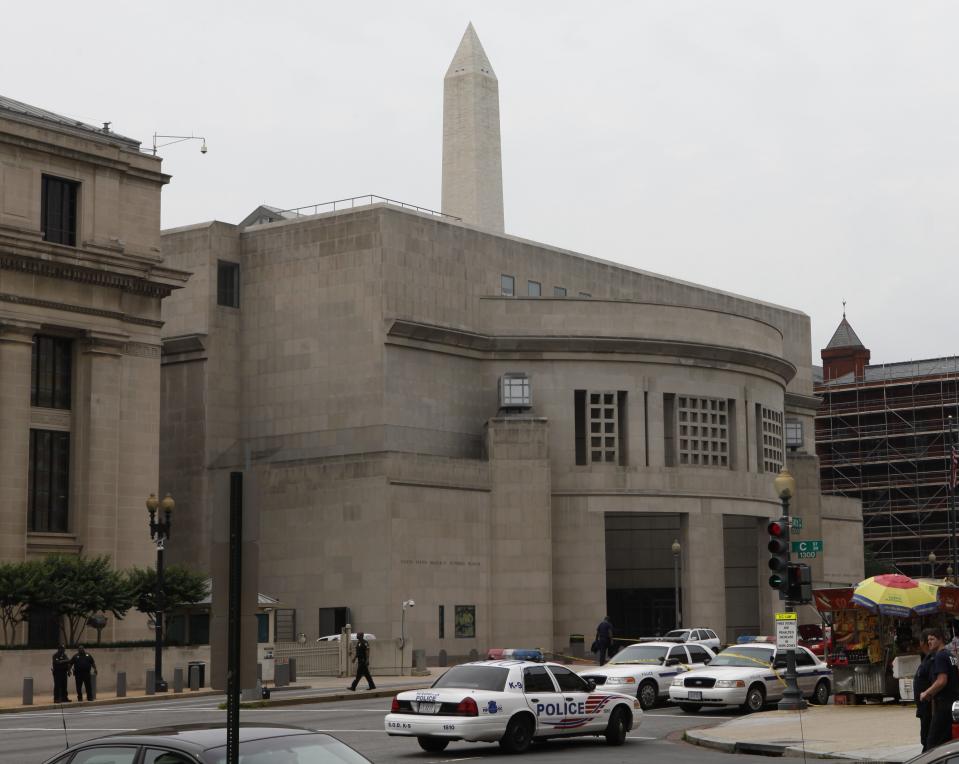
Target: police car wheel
(518,735)
(647,694)
(820,695)
(432,744)
(617,728)
(755,699)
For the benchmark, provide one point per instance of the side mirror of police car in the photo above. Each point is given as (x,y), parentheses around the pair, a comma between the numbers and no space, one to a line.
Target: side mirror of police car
(591,683)
(672,661)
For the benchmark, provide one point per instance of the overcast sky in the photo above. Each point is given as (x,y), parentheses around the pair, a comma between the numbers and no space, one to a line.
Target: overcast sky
(799,153)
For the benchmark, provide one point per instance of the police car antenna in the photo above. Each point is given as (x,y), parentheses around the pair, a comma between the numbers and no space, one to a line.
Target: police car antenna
(63,719)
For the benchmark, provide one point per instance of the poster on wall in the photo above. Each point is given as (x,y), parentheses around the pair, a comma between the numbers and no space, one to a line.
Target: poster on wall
(465,621)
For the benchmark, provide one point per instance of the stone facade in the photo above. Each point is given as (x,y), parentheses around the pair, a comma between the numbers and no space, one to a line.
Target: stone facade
(357,376)
(95,286)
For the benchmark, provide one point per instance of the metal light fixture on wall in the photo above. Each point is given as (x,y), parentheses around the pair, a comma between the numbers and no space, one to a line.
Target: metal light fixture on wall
(178,139)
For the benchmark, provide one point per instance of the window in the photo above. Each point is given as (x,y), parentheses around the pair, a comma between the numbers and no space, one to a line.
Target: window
(465,621)
(703,431)
(58,210)
(333,619)
(769,431)
(697,654)
(262,627)
(711,634)
(49,480)
(199,628)
(793,434)
(228,284)
(441,618)
(678,653)
(52,372)
(507,285)
(600,426)
(559,291)
(585,294)
(536,679)
(103,754)
(284,625)
(804,659)
(568,681)
(156,756)
(534,288)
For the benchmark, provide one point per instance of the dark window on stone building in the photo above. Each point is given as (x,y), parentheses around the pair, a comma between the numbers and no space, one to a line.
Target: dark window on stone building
(49,481)
(465,621)
(579,417)
(442,621)
(284,627)
(534,288)
(52,372)
(600,426)
(507,285)
(559,291)
(228,284)
(199,628)
(333,619)
(58,210)
(669,428)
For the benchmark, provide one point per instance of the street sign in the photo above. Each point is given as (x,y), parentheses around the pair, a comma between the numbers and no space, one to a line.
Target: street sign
(814,546)
(797,523)
(787,631)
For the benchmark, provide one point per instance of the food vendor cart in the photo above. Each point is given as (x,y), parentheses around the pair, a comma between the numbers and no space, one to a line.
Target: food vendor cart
(864,644)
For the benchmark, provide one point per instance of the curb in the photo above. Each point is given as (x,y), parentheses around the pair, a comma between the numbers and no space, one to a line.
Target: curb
(783,750)
(110,701)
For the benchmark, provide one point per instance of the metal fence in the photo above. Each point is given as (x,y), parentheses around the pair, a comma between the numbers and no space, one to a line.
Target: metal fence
(357,201)
(317,659)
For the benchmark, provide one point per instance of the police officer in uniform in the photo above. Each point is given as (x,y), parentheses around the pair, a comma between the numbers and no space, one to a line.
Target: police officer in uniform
(943,691)
(920,683)
(61,670)
(83,664)
(362,660)
(604,639)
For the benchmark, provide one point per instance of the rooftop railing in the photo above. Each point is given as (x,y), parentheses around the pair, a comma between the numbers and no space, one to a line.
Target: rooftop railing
(359,201)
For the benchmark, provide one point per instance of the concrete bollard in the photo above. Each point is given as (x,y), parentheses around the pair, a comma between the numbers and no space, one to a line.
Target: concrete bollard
(151,686)
(252,693)
(121,684)
(178,680)
(292,670)
(93,685)
(443,658)
(259,672)
(27,691)
(281,675)
(194,678)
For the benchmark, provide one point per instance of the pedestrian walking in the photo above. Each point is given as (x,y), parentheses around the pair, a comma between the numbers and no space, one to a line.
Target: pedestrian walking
(61,670)
(361,657)
(83,667)
(943,691)
(920,683)
(604,639)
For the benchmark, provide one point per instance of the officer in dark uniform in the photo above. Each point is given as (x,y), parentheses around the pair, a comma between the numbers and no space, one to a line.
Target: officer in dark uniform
(943,691)
(362,659)
(920,683)
(61,670)
(83,665)
(604,639)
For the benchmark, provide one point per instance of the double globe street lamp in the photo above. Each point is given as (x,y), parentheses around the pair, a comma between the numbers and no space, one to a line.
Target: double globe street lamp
(159,531)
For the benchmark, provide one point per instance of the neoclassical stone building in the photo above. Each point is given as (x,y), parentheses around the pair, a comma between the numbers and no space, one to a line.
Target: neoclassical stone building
(510,434)
(81,280)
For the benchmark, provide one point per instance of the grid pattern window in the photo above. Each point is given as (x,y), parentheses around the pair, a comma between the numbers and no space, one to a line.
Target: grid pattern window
(603,428)
(515,391)
(58,210)
(559,291)
(284,625)
(703,431)
(228,284)
(793,434)
(772,424)
(52,372)
(585,294)
(507,285)
(534,288)
(49,481)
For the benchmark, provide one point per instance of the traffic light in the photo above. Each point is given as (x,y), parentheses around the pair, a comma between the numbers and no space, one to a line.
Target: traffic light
(799,583)
(778,554)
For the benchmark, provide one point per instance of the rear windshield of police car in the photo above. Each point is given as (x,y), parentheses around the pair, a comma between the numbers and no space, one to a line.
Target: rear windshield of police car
(490,678)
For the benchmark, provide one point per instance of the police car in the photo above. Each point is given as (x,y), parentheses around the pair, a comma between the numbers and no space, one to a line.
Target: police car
(750,675)
(512,703)
(647,669)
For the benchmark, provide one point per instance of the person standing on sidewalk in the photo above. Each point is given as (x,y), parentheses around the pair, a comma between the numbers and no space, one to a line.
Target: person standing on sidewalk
(361,658)
(604,639)
(83,666)
(61,670)
(943,691)
(920,683)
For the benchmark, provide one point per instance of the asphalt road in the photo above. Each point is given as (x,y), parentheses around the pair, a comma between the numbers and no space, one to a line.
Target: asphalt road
(30,737)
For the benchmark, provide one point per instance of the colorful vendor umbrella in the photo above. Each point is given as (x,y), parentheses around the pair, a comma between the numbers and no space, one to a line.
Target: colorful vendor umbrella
(897,595)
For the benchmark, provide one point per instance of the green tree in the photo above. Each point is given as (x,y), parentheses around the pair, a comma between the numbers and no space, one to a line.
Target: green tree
(17,590)
(76,588)
(181,586)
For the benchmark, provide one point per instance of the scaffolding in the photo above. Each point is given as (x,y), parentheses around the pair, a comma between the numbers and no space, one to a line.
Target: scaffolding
(884,438)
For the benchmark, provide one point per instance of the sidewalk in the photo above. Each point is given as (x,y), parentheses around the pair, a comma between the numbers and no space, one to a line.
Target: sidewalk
(877,734)
(309,689)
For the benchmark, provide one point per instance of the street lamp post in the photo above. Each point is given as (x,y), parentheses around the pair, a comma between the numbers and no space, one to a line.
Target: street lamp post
(159,532)
(932,564)
(792,699)
(676,549)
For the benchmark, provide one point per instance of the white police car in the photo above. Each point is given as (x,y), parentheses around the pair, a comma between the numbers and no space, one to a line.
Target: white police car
(510,702)
(750,675)
(647,669)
